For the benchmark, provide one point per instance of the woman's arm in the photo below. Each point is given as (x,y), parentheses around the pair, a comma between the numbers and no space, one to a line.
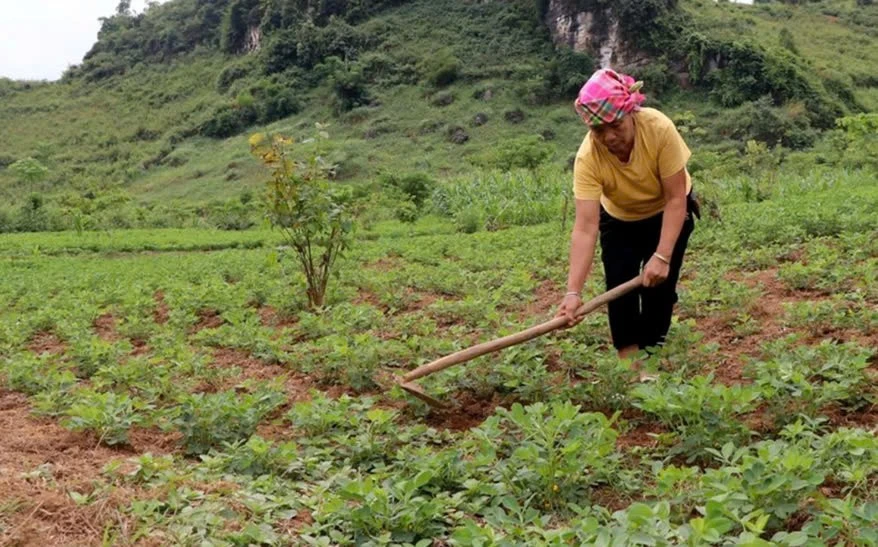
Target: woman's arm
(582,246)
(658,267)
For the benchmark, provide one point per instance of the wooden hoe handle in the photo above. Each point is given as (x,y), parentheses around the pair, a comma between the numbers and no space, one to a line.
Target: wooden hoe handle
(523,336)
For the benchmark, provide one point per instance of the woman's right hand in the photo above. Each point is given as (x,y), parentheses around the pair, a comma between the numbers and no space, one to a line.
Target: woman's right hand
(568,309)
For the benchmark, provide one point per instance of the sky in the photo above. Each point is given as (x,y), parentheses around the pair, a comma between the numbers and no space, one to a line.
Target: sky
(39,39)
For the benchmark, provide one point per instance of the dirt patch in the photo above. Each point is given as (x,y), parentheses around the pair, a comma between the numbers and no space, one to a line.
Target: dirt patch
(609,497)
(769,311)
(386,264)
(46,342)
(105,328)
(40,462)
(643,435)
(271,317)
(866,418)
(297,386)
(365,297)
(545,301)
(466,412)
(161,312)
(207,319)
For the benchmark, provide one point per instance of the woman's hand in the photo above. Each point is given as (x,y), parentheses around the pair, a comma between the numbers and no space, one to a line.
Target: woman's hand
(568,309)
(655,272)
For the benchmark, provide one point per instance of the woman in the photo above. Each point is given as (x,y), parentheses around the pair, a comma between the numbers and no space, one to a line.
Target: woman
(631,187)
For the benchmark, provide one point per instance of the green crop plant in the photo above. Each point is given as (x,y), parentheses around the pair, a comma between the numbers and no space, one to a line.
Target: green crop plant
(108,415)
(772,476)
(32,375)
(209,420)
(91,354)
(549,452)
(805,379)
(703,414)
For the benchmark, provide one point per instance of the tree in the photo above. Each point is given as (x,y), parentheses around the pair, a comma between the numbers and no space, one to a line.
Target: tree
(29,171)
(313,215)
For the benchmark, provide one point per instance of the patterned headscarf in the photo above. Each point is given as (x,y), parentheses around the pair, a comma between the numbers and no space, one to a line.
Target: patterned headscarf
(608,96)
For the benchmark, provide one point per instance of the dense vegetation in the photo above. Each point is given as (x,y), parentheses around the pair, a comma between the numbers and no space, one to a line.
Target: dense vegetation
(150,130)
(216,407)
(165,382)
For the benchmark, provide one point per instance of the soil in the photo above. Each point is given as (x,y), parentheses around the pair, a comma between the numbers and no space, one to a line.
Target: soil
(207,319)
(297,386)
(768,310)
(161,312)
(467,411)
(386,264)
(642,435)
(105,328)
(41,462)
(47,342)
(544,302)
(271,317)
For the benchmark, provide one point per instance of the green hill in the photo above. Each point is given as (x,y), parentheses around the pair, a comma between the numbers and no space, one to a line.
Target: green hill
(157,116)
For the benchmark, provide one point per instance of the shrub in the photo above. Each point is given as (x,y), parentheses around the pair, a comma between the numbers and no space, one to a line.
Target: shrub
(349,87)
(417,187)
(229,120)
(527,152)
(762,121)
(441,69)
(565,73)
(229,75)
(313,215)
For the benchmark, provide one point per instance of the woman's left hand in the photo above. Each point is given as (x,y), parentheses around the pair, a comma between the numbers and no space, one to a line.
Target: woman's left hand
(655,272)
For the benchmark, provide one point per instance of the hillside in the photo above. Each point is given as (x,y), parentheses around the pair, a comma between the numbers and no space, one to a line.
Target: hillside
(159,112)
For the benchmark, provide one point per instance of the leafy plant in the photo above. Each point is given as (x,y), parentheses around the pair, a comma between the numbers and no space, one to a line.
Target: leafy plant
(311,214)
(703,414)
(109,415)
(550,453)
(209,420)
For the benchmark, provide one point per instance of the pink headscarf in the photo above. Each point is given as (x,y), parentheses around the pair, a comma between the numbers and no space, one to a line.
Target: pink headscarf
(608,96)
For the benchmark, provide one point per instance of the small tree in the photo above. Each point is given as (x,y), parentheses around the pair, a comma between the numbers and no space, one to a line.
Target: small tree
(313,215)
(29,171)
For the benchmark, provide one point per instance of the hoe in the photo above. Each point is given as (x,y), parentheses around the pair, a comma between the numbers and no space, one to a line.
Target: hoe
(406,382)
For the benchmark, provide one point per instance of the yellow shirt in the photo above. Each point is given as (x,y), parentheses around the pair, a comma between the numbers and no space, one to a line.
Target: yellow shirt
(633,190)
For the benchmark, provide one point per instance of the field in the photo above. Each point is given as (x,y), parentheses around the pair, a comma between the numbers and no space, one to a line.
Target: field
(168,387)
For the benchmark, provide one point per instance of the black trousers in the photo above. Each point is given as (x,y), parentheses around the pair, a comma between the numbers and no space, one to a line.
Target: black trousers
(640,318)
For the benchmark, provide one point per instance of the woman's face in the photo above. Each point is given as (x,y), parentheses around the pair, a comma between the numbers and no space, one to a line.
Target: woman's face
(618,136)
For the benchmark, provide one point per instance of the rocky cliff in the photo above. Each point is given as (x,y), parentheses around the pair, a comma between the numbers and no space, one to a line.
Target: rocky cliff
(593,27)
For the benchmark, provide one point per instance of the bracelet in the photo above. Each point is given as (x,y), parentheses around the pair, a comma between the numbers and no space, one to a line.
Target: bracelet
(572,292)
(660,257)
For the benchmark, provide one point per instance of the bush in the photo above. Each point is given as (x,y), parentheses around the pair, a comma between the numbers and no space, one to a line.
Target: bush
(517,153)
(275,101)
(565,74)
(307,45)
(762,121)
(229,75)
(229,120)
(349,88)
(416,187)
(441,69)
